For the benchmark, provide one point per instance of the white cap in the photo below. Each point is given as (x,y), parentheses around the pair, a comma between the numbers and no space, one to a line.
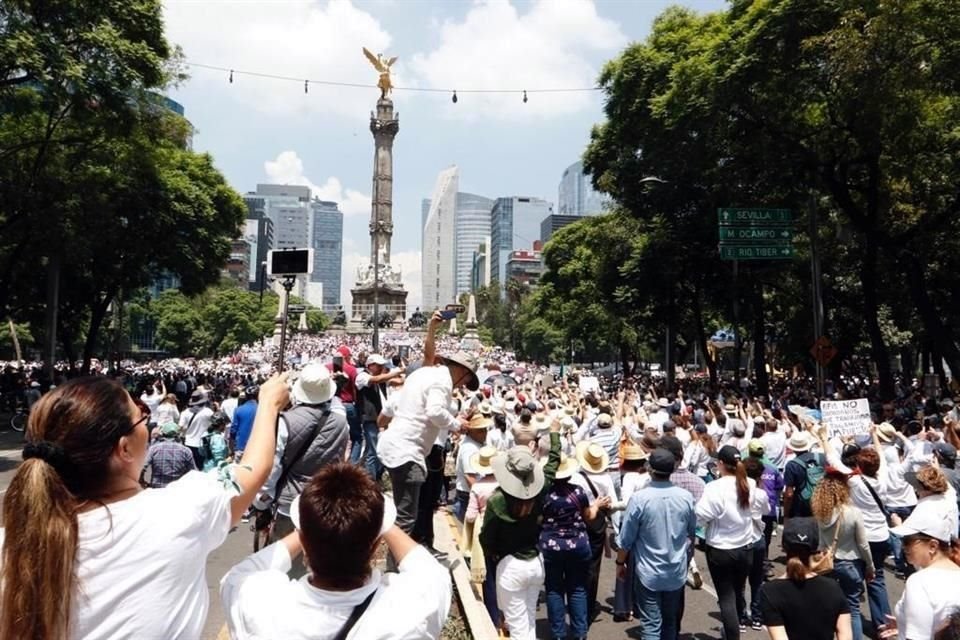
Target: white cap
(376,358)
(928,519)
(389,514)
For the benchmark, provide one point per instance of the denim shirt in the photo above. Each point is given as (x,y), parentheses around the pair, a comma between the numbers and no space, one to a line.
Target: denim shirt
(657,527)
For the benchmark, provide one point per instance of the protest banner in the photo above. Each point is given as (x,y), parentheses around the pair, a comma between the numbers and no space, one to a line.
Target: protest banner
(589,384)
(846,417)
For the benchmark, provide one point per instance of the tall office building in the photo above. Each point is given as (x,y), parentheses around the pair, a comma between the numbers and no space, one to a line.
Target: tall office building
(553,223)
(480,271)
(288,209)
(258,231)
(473,226)
(576,195)
(514,226)
(327,242)
(438,246)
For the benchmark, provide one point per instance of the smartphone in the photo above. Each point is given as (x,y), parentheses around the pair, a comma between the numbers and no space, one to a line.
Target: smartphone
(338,363)
(448,315)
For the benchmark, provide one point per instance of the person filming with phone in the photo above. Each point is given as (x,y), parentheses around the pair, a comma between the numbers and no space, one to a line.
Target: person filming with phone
(345,377)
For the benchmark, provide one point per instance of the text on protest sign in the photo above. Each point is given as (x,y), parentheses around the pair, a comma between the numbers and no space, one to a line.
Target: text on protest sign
(846,417)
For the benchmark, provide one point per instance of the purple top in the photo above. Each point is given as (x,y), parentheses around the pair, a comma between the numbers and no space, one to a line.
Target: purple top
(563,528)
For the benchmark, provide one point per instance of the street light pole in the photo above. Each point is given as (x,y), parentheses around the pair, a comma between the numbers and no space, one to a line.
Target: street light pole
(667,351)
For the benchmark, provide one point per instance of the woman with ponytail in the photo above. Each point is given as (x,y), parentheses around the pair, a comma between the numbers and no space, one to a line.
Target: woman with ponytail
(802,604)
(727,510)
(87,553)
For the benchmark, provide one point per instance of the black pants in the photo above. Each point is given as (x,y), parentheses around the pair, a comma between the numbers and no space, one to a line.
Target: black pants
(197,457)
(593,576)
(429,498)
(729,569)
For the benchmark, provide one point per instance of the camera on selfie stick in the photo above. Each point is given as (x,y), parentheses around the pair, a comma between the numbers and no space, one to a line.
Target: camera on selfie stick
(287,264)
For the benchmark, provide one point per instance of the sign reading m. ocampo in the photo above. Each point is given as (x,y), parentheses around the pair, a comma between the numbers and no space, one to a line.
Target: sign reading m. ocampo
(846,417)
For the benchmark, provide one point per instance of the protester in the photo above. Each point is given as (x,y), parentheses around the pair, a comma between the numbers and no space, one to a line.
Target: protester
(657,536)
(801,476)
(167,410)
(167,459)
(472,439)
(844,537)
(371,395)
(195,422)
(345,374)
(242,423)
(511,532)
(310,435)
(480,493)
(802,604)
(931,593)
(727,510)
(94,556)
(339,520)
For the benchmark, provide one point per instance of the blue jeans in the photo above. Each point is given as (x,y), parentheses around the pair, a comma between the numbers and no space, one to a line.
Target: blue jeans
(757,577)
(356,432)
(624,602)
(460,505)
(371,432)
(849,575)
(490,592)
(877,588)
(896,544)
(659,612)
(565,578)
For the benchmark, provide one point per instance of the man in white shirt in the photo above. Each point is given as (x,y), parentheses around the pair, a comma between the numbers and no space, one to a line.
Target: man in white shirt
(195,422)
(339,519)
(371,396)
(422,410)
(229,405)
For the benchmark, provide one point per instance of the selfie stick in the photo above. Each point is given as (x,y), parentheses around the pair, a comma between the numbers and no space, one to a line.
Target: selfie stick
(287,283)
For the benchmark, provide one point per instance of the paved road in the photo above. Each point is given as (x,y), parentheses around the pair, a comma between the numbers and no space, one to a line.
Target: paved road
(700,622)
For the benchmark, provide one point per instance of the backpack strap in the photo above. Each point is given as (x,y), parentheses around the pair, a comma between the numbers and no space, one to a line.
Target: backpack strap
(355,616)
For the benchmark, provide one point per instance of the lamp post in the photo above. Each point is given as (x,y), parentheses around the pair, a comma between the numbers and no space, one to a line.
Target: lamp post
(667,350)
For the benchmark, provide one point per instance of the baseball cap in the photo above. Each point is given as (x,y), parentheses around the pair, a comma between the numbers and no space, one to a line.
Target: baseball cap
(376,358)
(802,532)
(673,445)
(728,455)
(756,448)
(662,461)
(945,450)
(928,520)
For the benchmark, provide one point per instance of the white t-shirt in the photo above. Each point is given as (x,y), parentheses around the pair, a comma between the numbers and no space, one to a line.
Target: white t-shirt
(928,598)
(262,603)
(195,428)
(141,562)
(727,525)
(167,412)
(229,406)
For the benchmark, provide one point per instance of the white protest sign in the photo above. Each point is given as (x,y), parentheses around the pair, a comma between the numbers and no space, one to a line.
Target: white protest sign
(846,417)
(589,384)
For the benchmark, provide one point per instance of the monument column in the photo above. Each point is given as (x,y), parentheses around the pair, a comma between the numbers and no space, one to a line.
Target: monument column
(384,126)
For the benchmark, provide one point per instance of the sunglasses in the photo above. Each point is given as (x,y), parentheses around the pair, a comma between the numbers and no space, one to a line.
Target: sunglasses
(143,418)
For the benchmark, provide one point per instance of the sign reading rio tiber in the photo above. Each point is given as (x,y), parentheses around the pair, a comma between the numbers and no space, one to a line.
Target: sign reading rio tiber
(756,234)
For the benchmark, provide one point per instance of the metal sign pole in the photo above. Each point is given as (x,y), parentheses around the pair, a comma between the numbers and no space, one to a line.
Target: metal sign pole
(287,287)
(817,293)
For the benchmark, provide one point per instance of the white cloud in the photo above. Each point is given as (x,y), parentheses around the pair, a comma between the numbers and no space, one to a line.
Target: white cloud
(496,47)
(409,263)
(288,169)
(295,39)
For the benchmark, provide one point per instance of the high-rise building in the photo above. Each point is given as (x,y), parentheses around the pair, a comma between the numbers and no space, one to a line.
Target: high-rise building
(258,232)
(514,226)
(480,273)
(576,195)
(237,269)
(438,246)
(472,228)
(327,242)
(525,267)
(553,223)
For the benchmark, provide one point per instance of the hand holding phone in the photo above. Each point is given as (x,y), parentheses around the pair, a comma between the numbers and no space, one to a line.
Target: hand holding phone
(448,315)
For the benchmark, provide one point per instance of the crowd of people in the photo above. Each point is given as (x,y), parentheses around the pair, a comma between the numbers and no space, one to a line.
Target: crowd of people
(549,475)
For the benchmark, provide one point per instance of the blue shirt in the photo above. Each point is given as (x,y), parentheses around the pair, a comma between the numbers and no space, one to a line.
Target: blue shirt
(243,423)
(657,527)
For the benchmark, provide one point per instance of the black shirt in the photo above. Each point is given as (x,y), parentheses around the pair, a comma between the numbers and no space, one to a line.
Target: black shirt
(808,610)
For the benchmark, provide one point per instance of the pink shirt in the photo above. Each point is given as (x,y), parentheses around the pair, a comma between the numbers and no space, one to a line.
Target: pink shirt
(480,492)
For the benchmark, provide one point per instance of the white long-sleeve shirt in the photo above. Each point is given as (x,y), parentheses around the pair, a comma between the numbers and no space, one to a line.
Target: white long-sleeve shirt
(727,525)
(421,411)
(874,521)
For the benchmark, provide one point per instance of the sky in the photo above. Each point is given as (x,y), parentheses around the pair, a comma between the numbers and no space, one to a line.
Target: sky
(268,130)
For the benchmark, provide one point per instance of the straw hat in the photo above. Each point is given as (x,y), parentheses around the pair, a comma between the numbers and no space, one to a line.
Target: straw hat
(592,457)
(886,432)
(518,473)
(540,423)
(634,452)
(568,466)
(800,442)
(604,420)
(481,463)
(479,421)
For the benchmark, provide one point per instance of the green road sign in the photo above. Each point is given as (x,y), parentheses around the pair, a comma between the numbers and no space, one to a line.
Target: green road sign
(754,217)
(763,235)
(761,252)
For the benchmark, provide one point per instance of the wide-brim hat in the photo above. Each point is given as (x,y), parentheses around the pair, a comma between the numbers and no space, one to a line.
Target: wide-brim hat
(389,514)
(634,452)
(479,421)
(518,473)
(540,423)
(604,420)
(314,386)
(468,362)
(886,432)
(568,466)
(663,403)
(592,457)
(800,442)
(481,462)
(198,398)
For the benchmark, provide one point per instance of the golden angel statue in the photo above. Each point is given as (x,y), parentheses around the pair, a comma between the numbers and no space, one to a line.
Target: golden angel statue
(381,64)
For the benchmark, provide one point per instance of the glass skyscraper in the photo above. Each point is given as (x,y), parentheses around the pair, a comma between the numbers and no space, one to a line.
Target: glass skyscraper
(473,227)
(327,242)
(576,195)
(514,226)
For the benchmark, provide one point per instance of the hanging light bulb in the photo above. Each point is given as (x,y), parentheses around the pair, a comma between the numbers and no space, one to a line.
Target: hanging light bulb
(454,98)
(231,76)
(524,96)
(306,86)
